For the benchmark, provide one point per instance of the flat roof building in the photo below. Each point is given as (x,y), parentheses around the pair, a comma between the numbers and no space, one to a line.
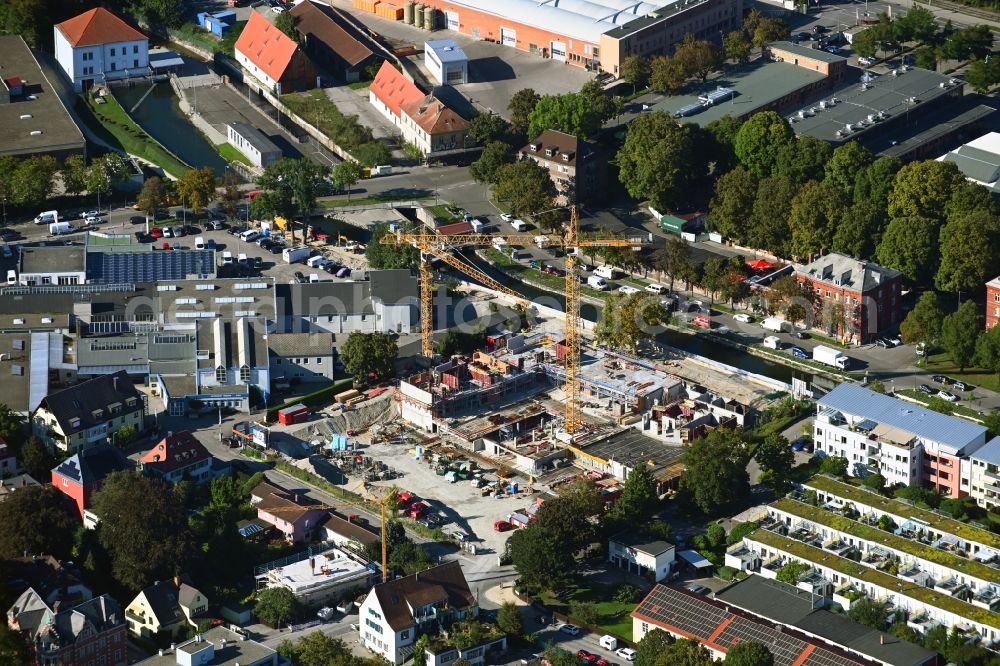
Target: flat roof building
(253,144)
(321,578)
(446,61)
(33,119)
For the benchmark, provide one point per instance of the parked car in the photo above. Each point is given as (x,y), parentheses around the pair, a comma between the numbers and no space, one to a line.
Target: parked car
(628,654)
(894,340)
(300,277)
(502,526)
(137,219)
(801,444)
(832,48)
(276,248)
(156,232)
(865,61)
(627,289)
(190,230)
(506,217)
(743,318)
(168,232)
(924,388)
(804,36)
(961,386)
(883,343)
(92,220)
(92,213)
(950,397)
(570,629)
(941,379)
(798,352)
(325,613)
(216,225)
(586,657)
(552,270)
(697,589)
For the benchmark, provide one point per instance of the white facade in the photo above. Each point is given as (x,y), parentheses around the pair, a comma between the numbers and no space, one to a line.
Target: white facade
(256,72)
(984,475)
(446,62)
(898,461)
(101,62)
(378,636)
(655,556)
(252,143)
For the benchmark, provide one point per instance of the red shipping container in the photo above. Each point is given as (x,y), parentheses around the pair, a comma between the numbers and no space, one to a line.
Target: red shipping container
(293,414)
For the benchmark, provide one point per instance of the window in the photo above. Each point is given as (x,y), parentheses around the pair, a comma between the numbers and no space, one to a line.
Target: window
(113,67)
(135,48)
(374,625)
(135,63)
(112,52)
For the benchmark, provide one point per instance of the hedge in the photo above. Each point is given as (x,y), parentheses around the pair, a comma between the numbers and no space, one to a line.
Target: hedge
(317,397)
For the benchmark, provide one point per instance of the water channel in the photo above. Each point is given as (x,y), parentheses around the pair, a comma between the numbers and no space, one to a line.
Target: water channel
(161,116)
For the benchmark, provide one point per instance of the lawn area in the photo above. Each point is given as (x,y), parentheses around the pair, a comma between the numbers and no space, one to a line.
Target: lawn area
(194,33)
(615,616)
(231,154)
(441,212)
(381,198)
(318,110)
(130,137)
(941,364)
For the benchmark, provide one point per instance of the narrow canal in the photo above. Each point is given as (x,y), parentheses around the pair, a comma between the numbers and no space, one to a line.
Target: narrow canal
(161,116)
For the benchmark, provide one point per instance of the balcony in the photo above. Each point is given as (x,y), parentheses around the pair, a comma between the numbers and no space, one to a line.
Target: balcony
(922,623)
(951,586)
(837,547)
(988,598)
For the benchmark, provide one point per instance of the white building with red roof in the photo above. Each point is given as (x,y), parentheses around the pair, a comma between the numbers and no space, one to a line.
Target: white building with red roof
(424,120)
(272,59)
(99,46)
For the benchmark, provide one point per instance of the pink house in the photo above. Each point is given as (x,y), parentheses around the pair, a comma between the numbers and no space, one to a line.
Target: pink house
(289,513)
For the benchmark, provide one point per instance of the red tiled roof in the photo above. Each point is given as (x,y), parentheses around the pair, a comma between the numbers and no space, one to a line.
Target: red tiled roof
(431,115)
(393,89)
(175,451)
(98,26)
(266,46)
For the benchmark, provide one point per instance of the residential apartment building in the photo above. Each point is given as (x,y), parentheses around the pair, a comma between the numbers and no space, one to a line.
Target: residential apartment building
(852,300)
(56,583)
(273,59)
(992,302)
(89,413)
(98,46)
(395,612)
(574,165)
(219,646)
(286,511)
(423,120)
(984,475)
(181,457)
(904,442)
(166,607)
(81,475)
(89,633)
(931,570)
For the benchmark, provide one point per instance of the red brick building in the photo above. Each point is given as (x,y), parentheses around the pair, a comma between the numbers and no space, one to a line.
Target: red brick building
(851,299)
(79,476)
(992,302)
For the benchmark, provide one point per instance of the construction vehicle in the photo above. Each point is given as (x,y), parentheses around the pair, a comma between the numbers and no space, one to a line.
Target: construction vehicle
(432,245)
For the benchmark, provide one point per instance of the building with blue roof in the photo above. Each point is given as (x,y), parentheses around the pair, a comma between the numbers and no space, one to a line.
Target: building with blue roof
(446,61)
(904,442)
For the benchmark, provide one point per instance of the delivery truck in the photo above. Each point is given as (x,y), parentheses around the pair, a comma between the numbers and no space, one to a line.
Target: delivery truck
(597,282)
(293,255)
(777,325)
(831,357)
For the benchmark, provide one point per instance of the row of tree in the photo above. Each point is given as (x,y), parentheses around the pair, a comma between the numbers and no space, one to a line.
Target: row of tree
(959,333)
(658,648)
(29,182)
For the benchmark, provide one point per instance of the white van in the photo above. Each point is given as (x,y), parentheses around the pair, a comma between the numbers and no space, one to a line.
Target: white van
(227,258)
(57,228)
(242,259)
(12,277)
(597,282)
(519,225)
(607,272)
(47,217)
(772,342)
(609,642)
(657,289)
(313,277)
(199,243)
(316,262)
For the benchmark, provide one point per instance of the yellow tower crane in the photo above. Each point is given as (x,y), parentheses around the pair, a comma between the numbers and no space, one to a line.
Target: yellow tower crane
(434,245)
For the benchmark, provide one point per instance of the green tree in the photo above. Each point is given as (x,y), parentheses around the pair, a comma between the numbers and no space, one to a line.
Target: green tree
(13,647)
(346,174)
(736,47)
(12,427)
(420,650)
(723,133)
(36,520)
(792,572)
(788,296)
(715,477)
(875,182)
(923,323)
(860,231)
(917,24)
(627,319)
(487,127)
(197,187)
(585,496)
(834,466)
(383,256)
(769,30)
(988,353)
(605,106)
(525,186)
(688,652)
(967,198)
(653,648)
(520,108)
(869,613)
(715,535)
(318,649)
(542,562)
(285,22)
(455,342)
(875,482)
(572,113)
(639,500)
(366,354)
(909,244)
(845,164)
(714,276)
(959,332)
(674,259)
(749,653)
(923,189)
(167,13)
(656,162)
(73,174)
(925,58)
(509,619)
(495,155)
(760,140)
(104,172)
(562,517)
(775,456)
(33,180)
(698,57)
(865,43)
(36,459)
(231,195)
(666,75)
(737,533)
(816,212)
(768,228)
(804,159)
(635,71)
(275,606)
(968,245)
(982,75)
(733,203)
(152,197)
(143,529)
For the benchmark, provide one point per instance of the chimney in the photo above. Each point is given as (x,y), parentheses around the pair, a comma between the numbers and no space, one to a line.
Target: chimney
(114,382)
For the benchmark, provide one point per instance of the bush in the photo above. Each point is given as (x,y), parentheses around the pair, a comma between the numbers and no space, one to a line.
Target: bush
(627,594)
(740,531)
(585,612)
(726,573)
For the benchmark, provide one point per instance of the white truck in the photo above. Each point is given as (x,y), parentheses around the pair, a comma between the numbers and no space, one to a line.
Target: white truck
(772,342)
(293,255)
(597,282)
(607,272)
(831,357)
(777,325)
(47,217)
(57,228)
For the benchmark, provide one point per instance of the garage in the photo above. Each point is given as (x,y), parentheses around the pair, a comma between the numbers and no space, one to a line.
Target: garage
(508,37)
(451,20)
(558,50)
